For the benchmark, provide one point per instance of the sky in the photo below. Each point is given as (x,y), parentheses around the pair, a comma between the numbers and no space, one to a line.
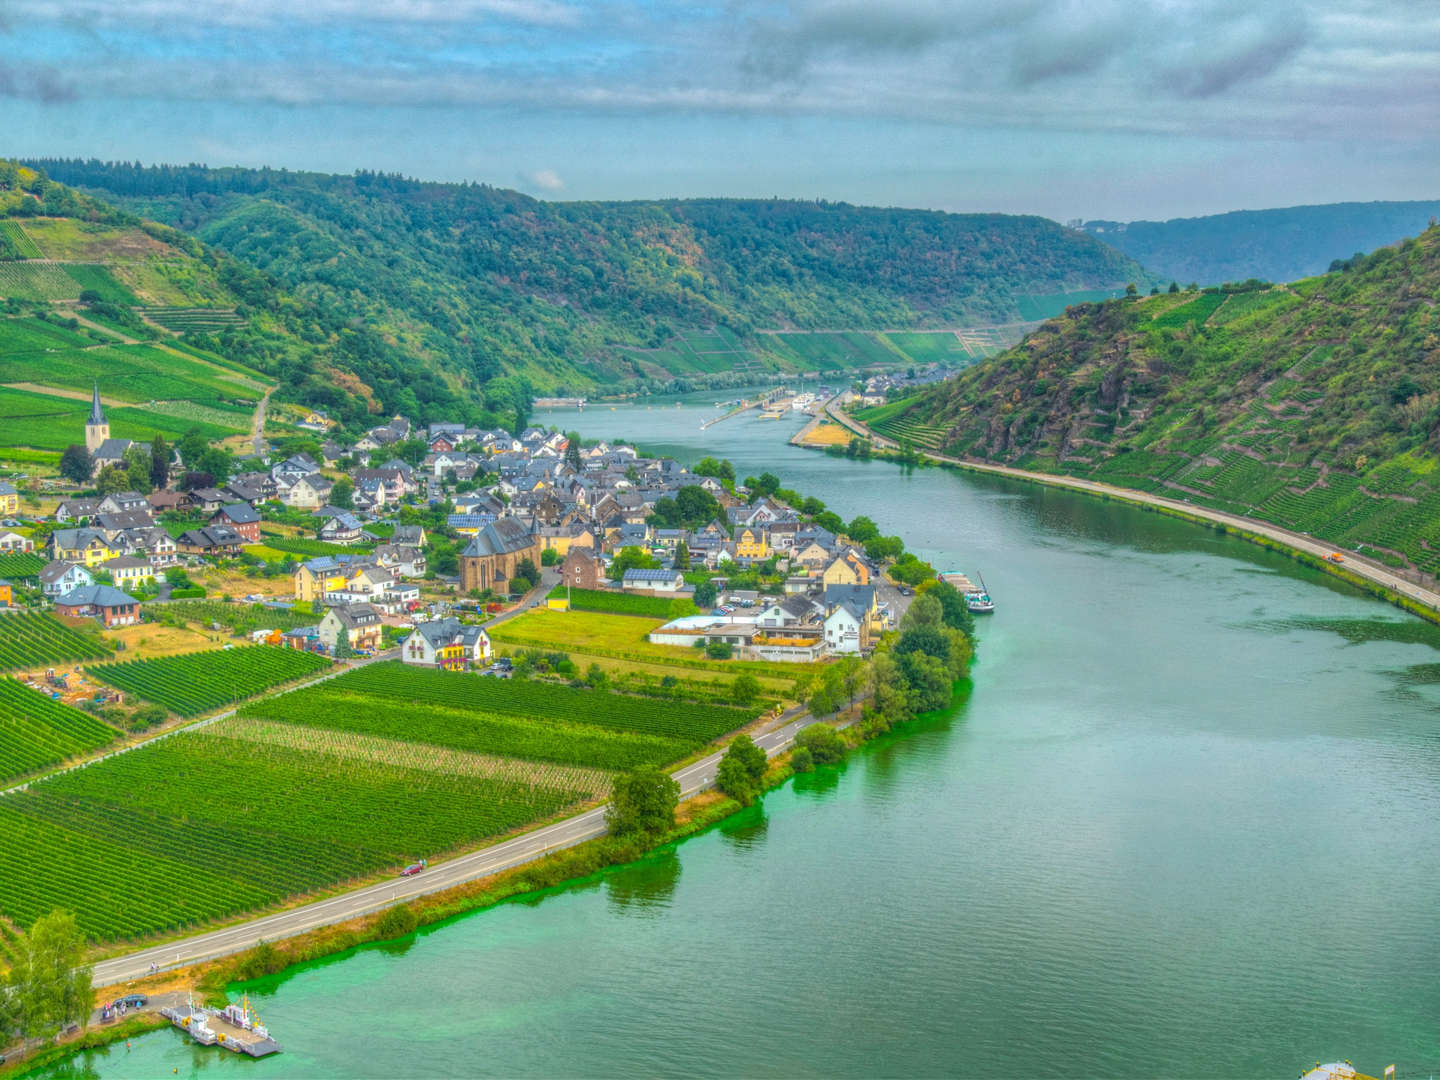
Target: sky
(1066,108)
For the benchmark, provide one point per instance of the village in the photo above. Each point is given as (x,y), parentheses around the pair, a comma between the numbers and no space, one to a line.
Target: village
(356,552)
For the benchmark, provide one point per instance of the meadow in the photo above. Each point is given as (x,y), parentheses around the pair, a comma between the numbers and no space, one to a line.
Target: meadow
(616,603)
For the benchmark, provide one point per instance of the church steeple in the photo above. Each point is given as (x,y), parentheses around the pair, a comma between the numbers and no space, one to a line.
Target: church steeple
(97,430)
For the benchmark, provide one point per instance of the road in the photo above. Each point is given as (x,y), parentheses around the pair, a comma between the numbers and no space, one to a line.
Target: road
(257,426)
(1357,565)
(693,778)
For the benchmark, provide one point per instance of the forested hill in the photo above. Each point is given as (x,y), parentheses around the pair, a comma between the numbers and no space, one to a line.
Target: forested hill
(1272,245)
(1314,405)
(480,282)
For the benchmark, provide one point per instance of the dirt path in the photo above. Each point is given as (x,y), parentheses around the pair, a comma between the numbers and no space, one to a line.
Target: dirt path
(257,426)
(1355,564)
(76,395)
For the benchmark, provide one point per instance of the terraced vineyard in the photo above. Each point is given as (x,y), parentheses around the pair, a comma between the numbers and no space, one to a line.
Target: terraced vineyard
(18,240)
(37,732)
(40,640)
(193,683)
(216,822)
(185,319)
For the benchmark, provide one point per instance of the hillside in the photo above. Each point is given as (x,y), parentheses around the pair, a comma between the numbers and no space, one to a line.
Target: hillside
(1315,406)
(477,283)
(169,326)
(1272,245)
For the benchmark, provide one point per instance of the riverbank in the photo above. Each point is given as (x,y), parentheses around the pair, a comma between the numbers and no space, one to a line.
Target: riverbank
(1367,576)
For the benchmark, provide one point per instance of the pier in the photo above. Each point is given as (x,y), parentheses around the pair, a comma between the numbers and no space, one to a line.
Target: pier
(234,1028)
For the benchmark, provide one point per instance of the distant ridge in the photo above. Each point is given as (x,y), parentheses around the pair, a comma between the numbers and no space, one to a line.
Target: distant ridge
(1273,245)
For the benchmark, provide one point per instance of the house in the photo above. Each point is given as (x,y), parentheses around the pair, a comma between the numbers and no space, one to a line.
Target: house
(9,500)
(307,492)
(446,643)
(104,602)
(59,578)
(847,630)
(405,560)
(154,543)
(360,623)
(469,524)
(315,578)
(76,509)
(208,500)
(408,536)
(13,541)
(119,521)
(130,572)
(659,581)
(813,555)
(496,552)
(581,569)
(750,543)
(240,517)
(7,593)
(122,502)
(161,501)
(211,540)
(791,612)
(341,529)
(88,546)
(846,570)
(112,452)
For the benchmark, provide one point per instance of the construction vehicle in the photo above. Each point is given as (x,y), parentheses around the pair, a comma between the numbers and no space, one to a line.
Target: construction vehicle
(1335,557)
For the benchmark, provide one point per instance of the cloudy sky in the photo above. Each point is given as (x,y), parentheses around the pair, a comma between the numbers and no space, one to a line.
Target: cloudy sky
(1068,108)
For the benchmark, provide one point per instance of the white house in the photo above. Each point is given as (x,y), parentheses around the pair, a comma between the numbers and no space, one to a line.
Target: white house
(845,629)
(660,581)
(446,643)
(59,578)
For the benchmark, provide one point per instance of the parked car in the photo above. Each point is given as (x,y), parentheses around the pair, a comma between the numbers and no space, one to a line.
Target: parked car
(905,590)
(504,664)
(134,1001)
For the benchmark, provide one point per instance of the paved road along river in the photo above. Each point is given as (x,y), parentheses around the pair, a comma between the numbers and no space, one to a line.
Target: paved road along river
(1187,823)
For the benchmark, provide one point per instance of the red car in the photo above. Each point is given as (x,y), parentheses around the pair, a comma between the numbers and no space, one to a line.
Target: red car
(413,869)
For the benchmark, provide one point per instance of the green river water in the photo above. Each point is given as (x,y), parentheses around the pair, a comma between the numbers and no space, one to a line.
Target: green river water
(1187,823)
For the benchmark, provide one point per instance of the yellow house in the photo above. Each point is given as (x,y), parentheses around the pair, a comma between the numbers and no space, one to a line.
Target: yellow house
(9,500)
(751,544)
(7,596)
(86,546)
(846,571)
(561,538)
(314,582)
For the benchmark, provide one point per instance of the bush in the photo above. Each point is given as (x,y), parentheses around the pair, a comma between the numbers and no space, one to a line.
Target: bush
(193,593)
(741,770)
(745,689)
(719,650)
(396,921)
(801,760)
(822,742)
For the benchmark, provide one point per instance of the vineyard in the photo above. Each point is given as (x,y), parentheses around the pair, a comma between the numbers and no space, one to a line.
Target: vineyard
(215,823)
(615,603)
(36,731)
(39,640)
(521,697)
(238,618)
(469,728)
(19,240)
(20,564)
(308,548)
(193,683)
(185,319)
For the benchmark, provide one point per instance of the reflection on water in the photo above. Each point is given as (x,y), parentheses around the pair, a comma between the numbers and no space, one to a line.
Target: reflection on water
(745,830)
(646,887)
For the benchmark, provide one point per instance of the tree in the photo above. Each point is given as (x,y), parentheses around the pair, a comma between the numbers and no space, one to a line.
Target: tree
(827,693)
(343,649)
(1131,291)
(137,468)
(720,470)
(1175,286)
(49,986)
(926,612)
(890,691)
(630,558)
(643,802)
(862,529)
(113,478)
(596,678)
(525,577)
(572,451)
(682,606)
(76,464)
(741,770)
(929,679)
(705,594)
(954,612)
(823,741)
(550,557)
(718,650)
(745,689)
(343,493)
(682,556)
(159,462)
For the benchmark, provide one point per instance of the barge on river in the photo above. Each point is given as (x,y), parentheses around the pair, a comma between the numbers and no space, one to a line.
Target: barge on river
(235,1027)
(977,598)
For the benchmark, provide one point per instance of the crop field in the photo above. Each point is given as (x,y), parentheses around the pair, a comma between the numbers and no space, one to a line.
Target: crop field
(36,731)
(43,422)
(233,818)
(20,564)
(623,637)
(185,319)
(309,549)
(836,351)
(239,618)
(1033,308)
(39,640)
(136,373)
(98,280)
(522,697)
(18,240)
(37,281)
(698,352)
(616,603)
(198,682)
(1197,311)
(470,727)
(940,347)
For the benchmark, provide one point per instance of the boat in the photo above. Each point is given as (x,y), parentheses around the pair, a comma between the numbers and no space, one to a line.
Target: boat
(977,597)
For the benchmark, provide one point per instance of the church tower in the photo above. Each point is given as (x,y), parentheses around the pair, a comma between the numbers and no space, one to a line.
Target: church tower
(96,428)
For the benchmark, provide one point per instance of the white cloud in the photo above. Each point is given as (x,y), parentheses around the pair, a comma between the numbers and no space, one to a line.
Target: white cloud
(547,180)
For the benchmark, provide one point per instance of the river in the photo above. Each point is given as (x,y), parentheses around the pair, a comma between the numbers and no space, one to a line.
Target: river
(1187,823)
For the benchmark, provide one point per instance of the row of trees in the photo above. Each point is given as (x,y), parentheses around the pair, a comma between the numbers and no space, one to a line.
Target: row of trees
(47,988)
(149,470)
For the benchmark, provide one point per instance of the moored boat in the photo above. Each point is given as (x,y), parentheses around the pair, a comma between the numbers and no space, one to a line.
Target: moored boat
(977,597)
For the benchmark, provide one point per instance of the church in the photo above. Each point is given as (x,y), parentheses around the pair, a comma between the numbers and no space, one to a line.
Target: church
(491,559)
(103,449)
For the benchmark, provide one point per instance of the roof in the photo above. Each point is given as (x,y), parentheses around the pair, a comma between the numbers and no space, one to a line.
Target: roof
(500,537)
(7,489)
(651,575)
(96,596)
(352,615)
(56,570)
(97,414)
(126,562)
(440,632)
(212,536)
(863,595)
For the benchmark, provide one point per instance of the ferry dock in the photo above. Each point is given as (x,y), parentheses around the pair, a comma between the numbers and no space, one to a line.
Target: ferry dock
(235,1027)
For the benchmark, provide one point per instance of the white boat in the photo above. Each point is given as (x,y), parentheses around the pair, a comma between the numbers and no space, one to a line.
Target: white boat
(977,597)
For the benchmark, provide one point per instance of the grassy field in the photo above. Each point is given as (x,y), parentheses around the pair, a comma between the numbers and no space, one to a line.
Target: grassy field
(43,422)
(1045,306)
(613,601)
(622,637)
(135,373)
